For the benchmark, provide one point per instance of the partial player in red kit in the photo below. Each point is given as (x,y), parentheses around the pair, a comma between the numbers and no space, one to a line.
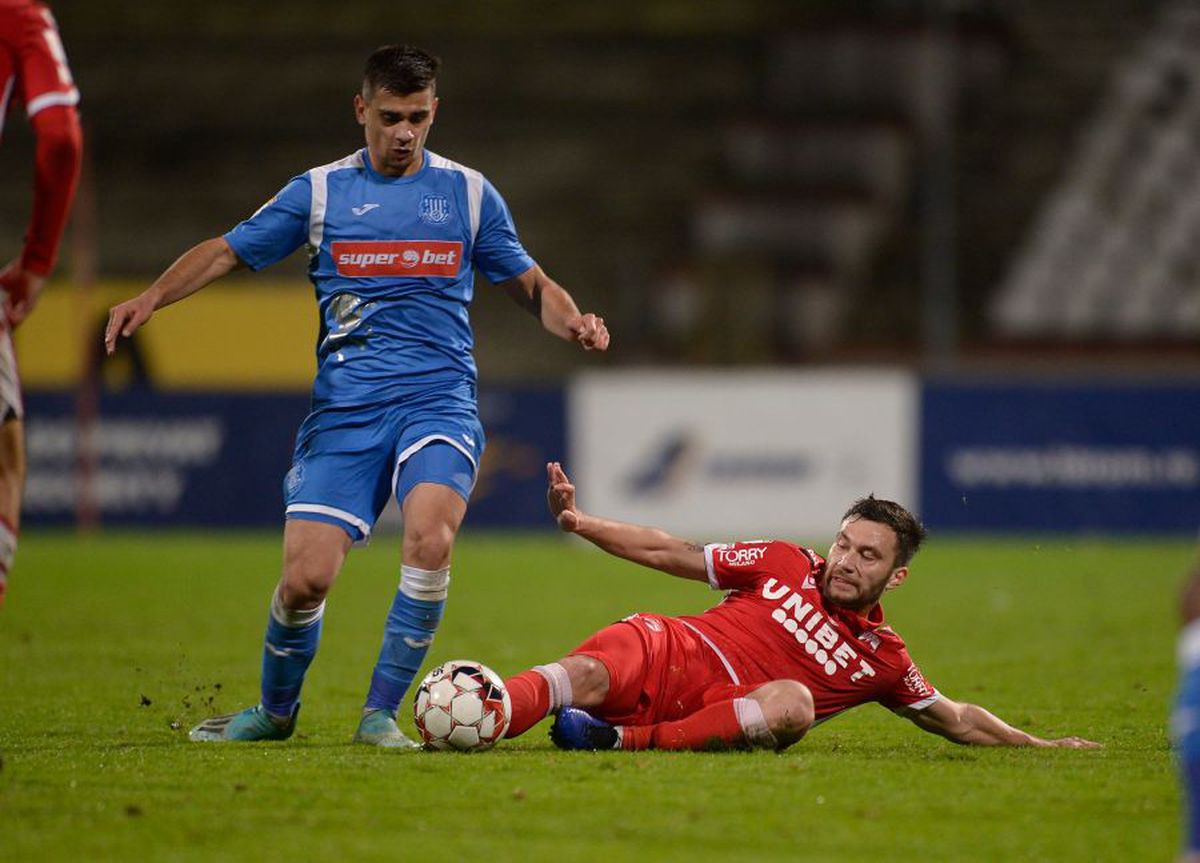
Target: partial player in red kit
(797,639)
(33,73)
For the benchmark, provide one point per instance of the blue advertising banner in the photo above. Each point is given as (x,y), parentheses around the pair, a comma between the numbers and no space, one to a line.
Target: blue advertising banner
(1061,457)
(158,458)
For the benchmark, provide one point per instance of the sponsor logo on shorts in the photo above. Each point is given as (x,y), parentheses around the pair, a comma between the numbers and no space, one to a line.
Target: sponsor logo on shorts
(436,258)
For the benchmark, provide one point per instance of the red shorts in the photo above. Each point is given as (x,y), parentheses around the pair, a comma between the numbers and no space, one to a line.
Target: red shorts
(659,670)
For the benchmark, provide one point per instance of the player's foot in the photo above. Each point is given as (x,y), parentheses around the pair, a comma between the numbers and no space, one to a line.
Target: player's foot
(253,723)
(578,729)
(378,728)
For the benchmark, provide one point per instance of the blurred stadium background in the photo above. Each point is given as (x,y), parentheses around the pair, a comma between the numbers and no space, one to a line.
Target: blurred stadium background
(943,251)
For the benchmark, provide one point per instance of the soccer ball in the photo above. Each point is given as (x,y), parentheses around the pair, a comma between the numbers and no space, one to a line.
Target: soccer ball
(462,705)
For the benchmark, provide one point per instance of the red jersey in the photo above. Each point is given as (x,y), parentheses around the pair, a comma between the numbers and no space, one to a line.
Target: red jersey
(34,71)
(775,624)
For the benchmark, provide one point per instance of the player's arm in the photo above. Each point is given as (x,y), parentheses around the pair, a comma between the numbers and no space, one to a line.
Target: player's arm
(56,174)
(648,546)
(198,266)
(972,724)
(550,303)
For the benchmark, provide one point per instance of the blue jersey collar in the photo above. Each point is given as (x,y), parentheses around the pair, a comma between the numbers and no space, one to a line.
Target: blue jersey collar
(377,177)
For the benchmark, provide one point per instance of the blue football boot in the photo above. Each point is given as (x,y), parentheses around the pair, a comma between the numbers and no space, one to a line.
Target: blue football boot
(578,729)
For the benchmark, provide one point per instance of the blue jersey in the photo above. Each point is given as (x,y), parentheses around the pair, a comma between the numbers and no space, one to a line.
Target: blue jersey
(392,260)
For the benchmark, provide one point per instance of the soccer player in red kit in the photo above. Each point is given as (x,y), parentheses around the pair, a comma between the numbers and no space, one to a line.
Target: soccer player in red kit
(797,639)
(34,72)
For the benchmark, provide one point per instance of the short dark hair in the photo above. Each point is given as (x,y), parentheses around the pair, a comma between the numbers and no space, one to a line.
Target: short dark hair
(401,69)
(909,532)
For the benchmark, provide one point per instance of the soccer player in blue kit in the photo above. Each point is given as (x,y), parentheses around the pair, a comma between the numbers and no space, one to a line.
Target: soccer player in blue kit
(394,234)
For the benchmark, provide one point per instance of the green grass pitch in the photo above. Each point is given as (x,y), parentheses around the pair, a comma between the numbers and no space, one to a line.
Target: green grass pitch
(111,647)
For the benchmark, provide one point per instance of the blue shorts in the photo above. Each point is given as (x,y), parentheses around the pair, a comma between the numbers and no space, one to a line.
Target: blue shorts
(348,463)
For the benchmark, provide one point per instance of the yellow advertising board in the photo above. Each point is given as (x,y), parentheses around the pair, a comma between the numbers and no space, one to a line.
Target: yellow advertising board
(235,335)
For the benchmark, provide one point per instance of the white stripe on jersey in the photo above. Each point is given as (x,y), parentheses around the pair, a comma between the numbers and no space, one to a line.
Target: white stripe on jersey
(474,187)
(708,563)
(721,656)
(49,100)
(319,177)
(8,88)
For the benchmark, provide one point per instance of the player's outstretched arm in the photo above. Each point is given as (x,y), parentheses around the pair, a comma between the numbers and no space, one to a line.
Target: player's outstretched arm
(549,301)
(972,724)
(198,266)
(648,546)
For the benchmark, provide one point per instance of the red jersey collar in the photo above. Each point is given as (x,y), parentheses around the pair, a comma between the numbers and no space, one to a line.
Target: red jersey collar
(858,623)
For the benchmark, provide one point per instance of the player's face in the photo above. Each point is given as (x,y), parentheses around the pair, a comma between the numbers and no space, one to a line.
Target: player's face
(396,127)
(860,565)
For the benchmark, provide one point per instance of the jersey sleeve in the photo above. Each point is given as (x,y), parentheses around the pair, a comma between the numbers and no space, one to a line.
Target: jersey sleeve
(43,76)
(744,564)
(911,691)
(278,228)
(497,252)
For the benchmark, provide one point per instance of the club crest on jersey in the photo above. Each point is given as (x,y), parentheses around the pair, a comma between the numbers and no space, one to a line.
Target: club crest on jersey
(435,258)
(434,209)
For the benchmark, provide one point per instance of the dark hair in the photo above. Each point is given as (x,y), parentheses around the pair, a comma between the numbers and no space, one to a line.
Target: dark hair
(909,532)
(401,69)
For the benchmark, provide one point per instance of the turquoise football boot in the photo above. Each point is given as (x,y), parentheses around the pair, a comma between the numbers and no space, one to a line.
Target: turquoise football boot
(253,723)
(378,728)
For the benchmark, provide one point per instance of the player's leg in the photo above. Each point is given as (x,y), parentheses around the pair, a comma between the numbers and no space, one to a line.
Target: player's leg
(434,484)
(313,554)
(12,455)
(603,676)
(338,483)
(1185,733)
(772,716)
(12,482)
(574,681)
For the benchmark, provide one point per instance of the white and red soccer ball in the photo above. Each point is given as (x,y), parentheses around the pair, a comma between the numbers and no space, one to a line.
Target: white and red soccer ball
(462,705)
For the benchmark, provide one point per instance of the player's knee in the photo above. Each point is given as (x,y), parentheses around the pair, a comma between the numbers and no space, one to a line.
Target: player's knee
(589,680)
(306,580)
(427,545)
(787,708)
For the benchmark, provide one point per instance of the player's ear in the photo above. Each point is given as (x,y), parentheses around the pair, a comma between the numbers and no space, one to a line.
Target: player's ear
(897,578)
(360,109)
(433,110)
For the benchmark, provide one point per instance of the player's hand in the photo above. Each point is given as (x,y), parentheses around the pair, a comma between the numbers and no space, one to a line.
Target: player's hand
(1073,743)
(560,495)
(589,331)
(124,319)
(22,289)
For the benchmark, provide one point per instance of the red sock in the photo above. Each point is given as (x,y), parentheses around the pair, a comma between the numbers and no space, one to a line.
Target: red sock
(530,695)
(714,727)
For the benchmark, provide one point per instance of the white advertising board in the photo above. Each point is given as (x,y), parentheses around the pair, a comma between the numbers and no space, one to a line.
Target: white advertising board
(742,455)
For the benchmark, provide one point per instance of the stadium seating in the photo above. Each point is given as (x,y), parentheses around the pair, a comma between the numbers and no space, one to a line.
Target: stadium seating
(1113,254)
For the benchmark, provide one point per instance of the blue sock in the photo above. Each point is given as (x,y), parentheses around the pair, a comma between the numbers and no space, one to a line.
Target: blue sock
(1185,731)
(288,650)
(411,624)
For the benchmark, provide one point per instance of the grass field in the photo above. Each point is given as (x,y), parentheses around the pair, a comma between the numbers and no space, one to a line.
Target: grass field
(111,647)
